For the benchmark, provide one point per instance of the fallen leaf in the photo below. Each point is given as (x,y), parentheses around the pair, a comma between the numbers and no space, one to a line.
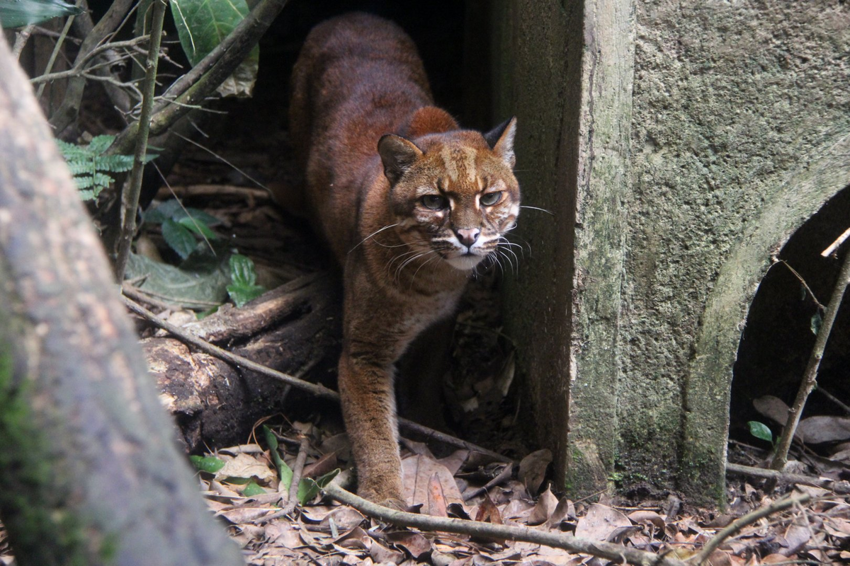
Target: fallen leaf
(415,544)
(647,517)
(815,430)
(355,539)
(455,461)
(532,469)
(546,504)
(773,408)
(796,536)
(599,522)
(564,510)
(488,512)
(436,505)
(345,518)
(417,472)
(384,555)
(246,466)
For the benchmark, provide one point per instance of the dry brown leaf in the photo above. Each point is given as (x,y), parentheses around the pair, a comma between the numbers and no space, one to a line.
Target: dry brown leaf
(837,527)
(239,515)
(415,544)
(599,522)
(796,536)
(773,408)
(283,534)
(384,555)
(647,517)
(815,430)
(246,466)
(517,509)
(416,475)
(321,466)
(344,518)
(532,469)
(564,510)
(436,504)
(355,539)
(417,447)
(488,512)
(455,461)
(720,558)
(719,522)
(546,504)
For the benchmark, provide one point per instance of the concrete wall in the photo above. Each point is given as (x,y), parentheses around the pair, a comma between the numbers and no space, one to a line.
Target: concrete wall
(630,309)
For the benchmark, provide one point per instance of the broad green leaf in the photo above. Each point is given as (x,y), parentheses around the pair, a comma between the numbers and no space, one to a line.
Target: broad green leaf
(175,211)
(202,25)
(209,464)
(309,488)
(200,287)
(760,431)
(252,489)
(198,227)
(243,288)
(179,238)
(20,13)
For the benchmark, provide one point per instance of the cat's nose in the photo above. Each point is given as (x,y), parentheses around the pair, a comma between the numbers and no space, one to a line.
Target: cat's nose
(467,236)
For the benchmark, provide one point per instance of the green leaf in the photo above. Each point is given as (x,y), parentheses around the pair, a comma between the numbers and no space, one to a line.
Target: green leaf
(309,488)
(760,431)
(200,287)
(243,288)
(209,464)
(283,470)
(202,25)
(20,13)
(252,489)
(179,238)
(198,227)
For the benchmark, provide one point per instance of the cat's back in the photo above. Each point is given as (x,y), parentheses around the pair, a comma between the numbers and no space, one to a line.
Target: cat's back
(358,72)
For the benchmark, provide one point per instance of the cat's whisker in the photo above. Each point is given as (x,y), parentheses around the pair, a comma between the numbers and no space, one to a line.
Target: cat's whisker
(508,259)
(549,212)
(378,231)
(423,265)
(408,261)
(400,257)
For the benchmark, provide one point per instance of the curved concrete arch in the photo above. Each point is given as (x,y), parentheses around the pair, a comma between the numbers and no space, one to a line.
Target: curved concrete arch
(707,390)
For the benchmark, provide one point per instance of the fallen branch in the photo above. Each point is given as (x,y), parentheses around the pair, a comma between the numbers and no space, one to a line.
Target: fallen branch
(835,245)
(313,388)
(748,519)
(615,552)
(839,487)
(811,374)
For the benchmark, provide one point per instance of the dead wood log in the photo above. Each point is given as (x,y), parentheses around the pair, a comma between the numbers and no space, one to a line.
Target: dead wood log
(294,329)
(88,467)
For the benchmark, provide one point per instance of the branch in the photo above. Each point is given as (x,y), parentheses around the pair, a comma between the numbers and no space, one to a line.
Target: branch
(615,552)
(133,188)
(811,374)
(313,388)
(748,519)
(839,487)
(80,65)
(67,112)
(207,75)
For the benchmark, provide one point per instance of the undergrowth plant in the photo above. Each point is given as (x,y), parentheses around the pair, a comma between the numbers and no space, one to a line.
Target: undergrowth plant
(92,167)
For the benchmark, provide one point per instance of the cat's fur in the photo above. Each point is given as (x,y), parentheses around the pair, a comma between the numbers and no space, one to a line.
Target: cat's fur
(396,189)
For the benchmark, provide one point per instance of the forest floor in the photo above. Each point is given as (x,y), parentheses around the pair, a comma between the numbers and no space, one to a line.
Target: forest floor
(243,484)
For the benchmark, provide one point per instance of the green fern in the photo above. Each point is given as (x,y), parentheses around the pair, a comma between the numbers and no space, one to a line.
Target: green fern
(90,166)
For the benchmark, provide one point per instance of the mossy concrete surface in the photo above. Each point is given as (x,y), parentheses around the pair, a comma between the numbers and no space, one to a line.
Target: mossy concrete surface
(678,145)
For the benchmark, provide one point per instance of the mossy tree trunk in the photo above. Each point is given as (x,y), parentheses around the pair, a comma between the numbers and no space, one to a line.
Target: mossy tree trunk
(89,468)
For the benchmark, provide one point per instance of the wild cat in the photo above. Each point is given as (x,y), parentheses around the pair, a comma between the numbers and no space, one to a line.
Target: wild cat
(409,203)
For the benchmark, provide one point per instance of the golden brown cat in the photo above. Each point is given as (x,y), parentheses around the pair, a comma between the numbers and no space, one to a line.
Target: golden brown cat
(409,203)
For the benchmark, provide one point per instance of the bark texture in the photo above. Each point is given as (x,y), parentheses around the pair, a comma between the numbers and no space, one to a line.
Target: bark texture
(89,465)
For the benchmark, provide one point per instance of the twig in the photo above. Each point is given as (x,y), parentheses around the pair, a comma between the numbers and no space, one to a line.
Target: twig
(839,487)
(843,406)
(56,49)
(314,388)
(80,68)
(811,374)
(217,66)
(292,497)
(748,519)
(834,245)
(113,17)
(615,552)
(802,282)
(133,188)
(139,295)
(21,40)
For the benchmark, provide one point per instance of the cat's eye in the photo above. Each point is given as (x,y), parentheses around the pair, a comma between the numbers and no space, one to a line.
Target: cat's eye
(434,202)
(490,199)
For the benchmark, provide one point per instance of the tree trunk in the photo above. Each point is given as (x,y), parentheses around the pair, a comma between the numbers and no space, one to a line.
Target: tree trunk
(89,467)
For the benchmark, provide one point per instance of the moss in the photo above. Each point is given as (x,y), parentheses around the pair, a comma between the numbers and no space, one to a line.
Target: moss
(40,529)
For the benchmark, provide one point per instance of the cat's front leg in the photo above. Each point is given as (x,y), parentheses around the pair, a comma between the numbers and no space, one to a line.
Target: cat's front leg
(368,407)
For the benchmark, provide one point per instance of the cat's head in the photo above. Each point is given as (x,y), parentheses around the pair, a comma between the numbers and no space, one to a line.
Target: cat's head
(454,194)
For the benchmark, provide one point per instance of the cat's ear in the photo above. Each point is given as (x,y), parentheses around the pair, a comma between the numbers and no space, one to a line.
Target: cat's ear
(501,141)
(397,155)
